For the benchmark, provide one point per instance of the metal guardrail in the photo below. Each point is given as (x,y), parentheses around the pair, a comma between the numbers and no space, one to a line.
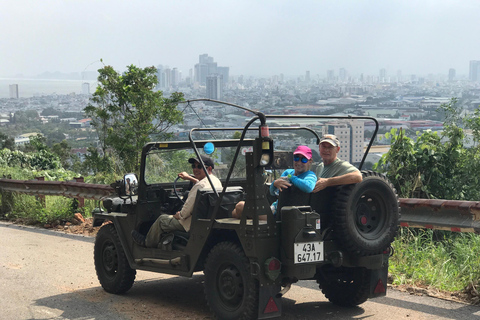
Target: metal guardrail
(58,188)
(451,215)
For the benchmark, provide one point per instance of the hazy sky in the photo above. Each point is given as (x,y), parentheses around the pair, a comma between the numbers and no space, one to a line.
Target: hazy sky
(252,37)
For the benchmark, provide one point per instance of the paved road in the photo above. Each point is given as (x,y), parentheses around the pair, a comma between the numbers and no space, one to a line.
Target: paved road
(50,275)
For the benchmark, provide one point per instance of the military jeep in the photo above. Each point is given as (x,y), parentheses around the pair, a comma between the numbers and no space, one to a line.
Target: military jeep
(339,237)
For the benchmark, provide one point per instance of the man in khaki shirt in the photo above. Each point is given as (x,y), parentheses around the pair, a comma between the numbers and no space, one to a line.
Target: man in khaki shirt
(183,218)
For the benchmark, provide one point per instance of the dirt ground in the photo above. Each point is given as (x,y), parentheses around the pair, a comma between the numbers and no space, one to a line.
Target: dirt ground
(470,295)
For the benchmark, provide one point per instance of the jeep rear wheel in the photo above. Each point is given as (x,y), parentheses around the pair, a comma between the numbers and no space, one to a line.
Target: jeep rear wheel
(230,290)
(111,264)
(346,287)
(366,215)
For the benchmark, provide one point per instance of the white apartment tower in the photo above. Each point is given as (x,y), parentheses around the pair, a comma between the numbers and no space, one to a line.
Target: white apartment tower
(13,91)
(350,133)
(86,88)
(474,72)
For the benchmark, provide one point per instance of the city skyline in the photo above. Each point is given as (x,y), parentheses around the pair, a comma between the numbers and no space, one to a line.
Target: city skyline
(251,38)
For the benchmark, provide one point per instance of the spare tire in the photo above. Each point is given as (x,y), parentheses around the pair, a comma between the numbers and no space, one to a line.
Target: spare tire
(366,215)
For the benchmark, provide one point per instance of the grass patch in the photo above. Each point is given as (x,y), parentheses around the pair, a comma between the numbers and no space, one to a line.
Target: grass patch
(445,260)
(54,210)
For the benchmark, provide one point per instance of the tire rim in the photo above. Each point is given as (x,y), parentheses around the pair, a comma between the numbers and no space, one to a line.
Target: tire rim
(370,216)
(230,286)
(110,259)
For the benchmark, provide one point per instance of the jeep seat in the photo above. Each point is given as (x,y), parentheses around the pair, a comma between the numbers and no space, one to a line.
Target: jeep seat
(203,209)
(206,200)
(291,196)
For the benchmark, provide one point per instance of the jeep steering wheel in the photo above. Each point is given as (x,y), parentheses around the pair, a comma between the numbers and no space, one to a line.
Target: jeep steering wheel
(175,188)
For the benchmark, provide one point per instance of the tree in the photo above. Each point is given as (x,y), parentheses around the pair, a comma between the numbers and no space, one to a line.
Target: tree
(37,143)
(127,112)
(6,142)
(62,150)
(50,111)
(54,137)
(25,117)
(95,163)
(435,165)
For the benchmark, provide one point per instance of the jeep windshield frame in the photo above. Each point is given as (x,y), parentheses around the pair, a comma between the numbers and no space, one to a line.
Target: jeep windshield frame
(263,119)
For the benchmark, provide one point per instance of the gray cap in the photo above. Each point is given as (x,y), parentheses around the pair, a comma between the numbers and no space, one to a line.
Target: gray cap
(332,139)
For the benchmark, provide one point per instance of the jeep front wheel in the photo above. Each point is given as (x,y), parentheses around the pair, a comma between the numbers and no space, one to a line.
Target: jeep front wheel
(230,290)
(111,264)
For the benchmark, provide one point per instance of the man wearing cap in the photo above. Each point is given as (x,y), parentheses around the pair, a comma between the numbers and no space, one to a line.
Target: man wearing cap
(333,171)
(183,218)
(300,176)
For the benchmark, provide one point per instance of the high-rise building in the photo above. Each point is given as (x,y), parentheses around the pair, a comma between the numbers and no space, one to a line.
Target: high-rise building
(224,72)
(14,91)
(201,72)
(214,87)
(168,78)
(208,66)
(175,77)
(86,88)
(399,76)
(307,76)
(204,58)
(161,77)
(451,74)
(474,74)
(383,75)
(330,75)
(342,74)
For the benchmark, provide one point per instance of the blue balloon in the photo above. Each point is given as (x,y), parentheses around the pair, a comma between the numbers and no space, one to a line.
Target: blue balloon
(208,148)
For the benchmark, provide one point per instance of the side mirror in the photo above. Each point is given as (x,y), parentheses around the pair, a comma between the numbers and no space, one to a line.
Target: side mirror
(130,185)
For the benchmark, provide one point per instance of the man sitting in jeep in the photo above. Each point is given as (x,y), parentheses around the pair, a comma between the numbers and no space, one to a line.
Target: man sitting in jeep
(333,171)
(182,219)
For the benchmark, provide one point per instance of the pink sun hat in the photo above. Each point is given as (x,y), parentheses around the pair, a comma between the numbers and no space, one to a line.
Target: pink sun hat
(304,151)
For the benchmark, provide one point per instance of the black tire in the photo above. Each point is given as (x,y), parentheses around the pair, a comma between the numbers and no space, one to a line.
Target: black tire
(366,215)
(230,290)
(111,264)
(346,287)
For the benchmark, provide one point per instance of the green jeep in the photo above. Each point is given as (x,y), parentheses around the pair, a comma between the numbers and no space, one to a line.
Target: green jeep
(339,237)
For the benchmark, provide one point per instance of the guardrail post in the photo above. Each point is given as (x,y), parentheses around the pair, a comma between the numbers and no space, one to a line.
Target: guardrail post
(41,198)
(7,202)
(81,201)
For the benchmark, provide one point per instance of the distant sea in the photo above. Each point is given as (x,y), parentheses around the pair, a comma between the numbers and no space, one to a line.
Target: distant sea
(28,88)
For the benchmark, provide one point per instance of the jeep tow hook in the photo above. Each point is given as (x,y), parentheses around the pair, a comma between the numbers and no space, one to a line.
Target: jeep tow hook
(284,290)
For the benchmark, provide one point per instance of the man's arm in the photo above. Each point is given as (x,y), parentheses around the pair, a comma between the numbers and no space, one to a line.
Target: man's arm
(185,176)
(349,178)
(187,208)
